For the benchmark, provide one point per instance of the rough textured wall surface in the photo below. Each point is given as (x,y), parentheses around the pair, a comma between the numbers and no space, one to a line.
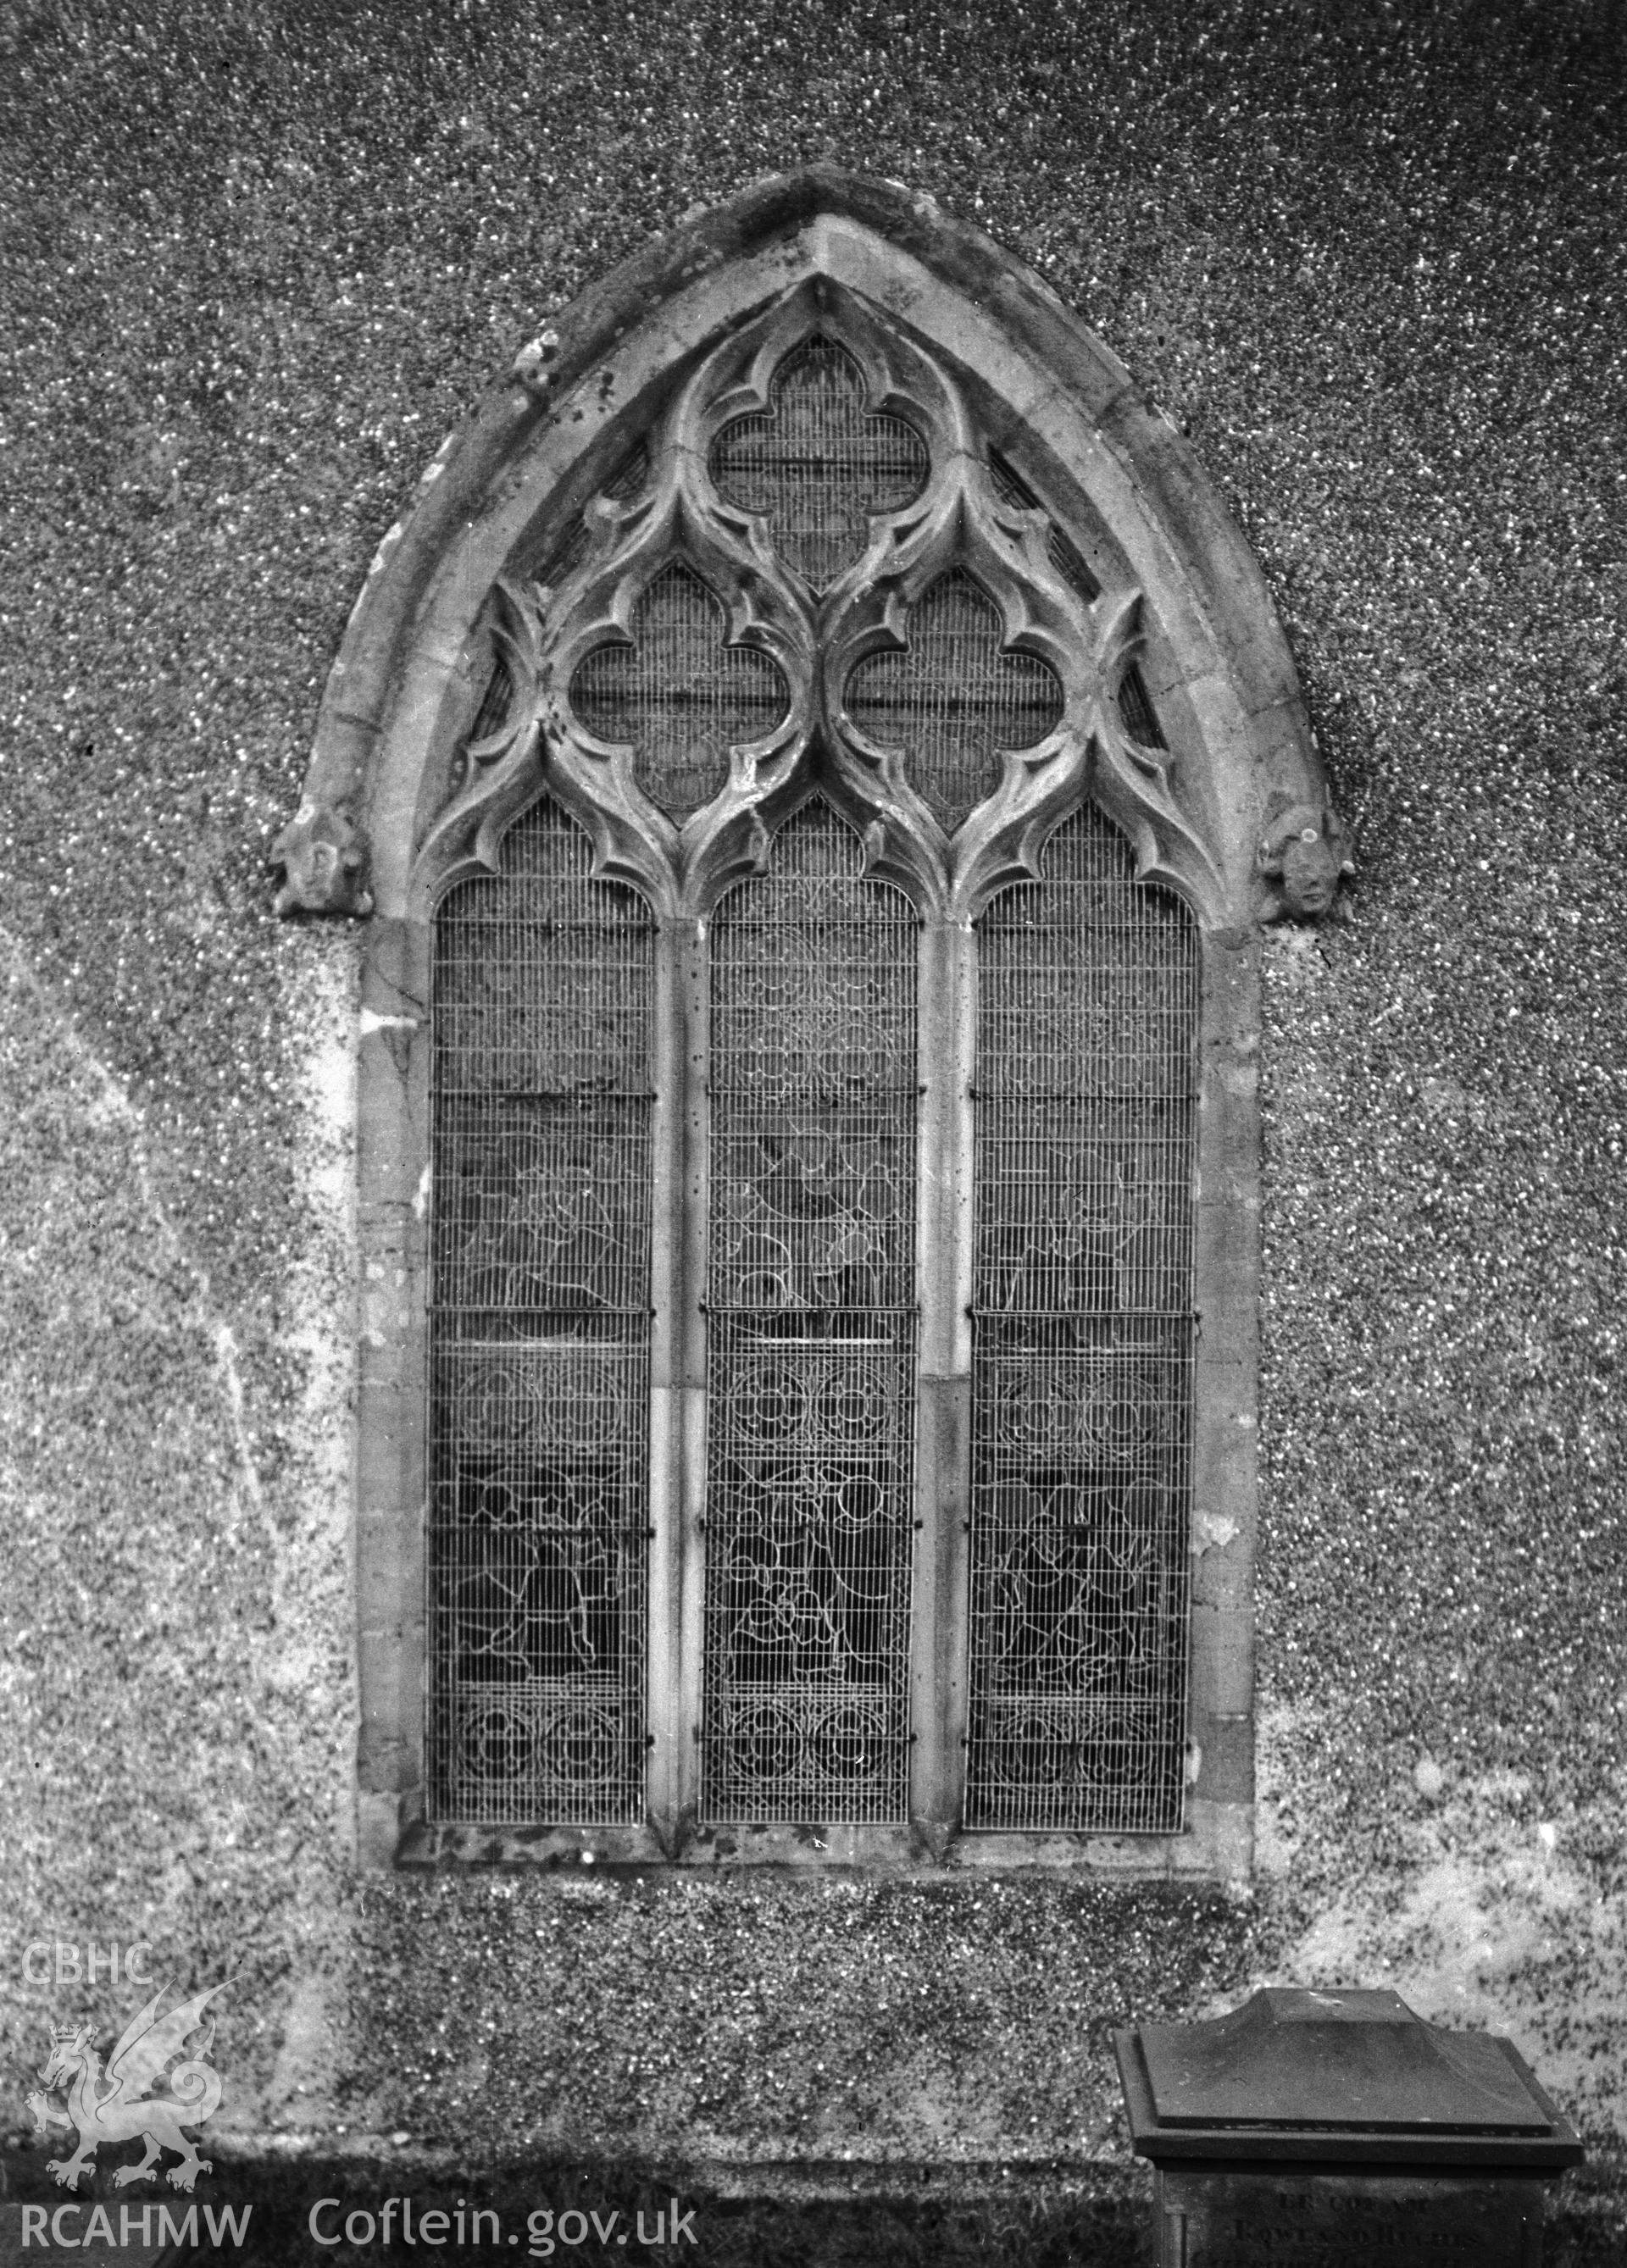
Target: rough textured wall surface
(259,260)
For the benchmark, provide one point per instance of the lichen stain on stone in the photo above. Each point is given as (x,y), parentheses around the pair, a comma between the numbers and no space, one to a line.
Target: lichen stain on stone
(175,1634)
(320,1289)
(132,1518)
(1481,1914)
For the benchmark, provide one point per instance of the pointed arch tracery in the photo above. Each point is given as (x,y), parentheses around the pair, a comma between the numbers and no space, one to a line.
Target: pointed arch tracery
(822,560)
(822,514)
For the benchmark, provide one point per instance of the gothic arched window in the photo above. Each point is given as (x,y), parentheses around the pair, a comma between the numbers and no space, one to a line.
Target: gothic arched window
(807,1169)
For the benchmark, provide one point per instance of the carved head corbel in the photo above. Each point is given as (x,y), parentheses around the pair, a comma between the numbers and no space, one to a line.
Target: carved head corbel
(1302,851)
(323,856)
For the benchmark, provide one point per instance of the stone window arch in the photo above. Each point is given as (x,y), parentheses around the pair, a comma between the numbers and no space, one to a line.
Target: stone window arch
(814,763)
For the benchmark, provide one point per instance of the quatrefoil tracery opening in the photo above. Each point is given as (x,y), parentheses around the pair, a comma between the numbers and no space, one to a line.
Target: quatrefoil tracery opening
(818,464)
(679,693)
(952,697)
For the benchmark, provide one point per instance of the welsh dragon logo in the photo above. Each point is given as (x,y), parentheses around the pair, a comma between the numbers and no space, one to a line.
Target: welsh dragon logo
(115,2106)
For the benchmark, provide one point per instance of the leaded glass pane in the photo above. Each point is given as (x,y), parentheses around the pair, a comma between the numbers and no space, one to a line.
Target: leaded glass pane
(952,699)
(811,1339)
(817,464)
(789,1037)
(678,693)
(1082,1296)
(540,1339)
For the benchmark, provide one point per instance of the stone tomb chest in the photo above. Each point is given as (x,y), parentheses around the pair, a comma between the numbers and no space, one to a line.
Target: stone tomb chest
(1314,2130)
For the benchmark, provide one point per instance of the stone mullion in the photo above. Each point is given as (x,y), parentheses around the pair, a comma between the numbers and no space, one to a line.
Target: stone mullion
(947,1029)
(691,1024)
(667,1393)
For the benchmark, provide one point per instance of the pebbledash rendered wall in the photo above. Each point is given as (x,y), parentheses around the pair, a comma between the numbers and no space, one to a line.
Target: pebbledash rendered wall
(260,265)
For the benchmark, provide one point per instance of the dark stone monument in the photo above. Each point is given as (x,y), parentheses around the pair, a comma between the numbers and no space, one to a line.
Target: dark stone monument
(1338,2130)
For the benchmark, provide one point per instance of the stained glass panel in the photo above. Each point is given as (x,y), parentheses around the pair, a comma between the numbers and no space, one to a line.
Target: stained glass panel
(679,693)
(1082,1295)
(952,699)
(540,1335)
(817,464)
(811,1339)
(798,1050)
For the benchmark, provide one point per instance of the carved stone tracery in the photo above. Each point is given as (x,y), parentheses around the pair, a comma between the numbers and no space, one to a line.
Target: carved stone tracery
(899,623)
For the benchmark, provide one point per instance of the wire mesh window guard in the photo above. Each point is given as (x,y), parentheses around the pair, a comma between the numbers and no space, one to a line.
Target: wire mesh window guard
(952,699)
(681,695)
(800,1055)
(540,1330)
(1082,1296)
(812,1335)
(817,464)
